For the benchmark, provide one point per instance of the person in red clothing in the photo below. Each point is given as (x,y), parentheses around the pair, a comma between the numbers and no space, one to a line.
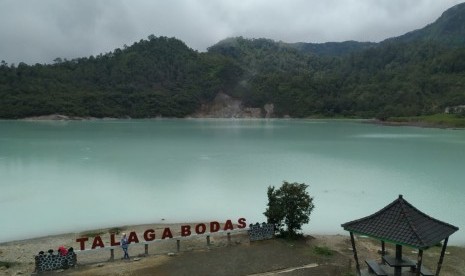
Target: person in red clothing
(62,250)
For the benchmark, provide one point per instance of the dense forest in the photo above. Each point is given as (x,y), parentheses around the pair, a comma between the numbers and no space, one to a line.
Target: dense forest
(419,73)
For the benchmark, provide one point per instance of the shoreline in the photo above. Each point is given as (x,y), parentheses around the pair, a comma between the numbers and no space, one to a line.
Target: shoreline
(420,124)
(393,123)
(20,254)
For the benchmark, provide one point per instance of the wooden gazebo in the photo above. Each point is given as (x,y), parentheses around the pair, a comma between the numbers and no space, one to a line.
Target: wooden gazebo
(402,224)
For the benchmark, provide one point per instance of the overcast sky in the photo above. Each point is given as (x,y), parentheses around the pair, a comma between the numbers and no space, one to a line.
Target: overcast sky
(41,30)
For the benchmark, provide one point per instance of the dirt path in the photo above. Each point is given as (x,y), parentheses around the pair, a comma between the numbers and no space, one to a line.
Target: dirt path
(275,256)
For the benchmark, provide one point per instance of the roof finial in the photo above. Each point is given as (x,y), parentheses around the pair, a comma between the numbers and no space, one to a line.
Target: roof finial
(400,196)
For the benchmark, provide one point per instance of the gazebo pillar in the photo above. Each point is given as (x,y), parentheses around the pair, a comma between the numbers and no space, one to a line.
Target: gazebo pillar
(398,252)
(398,269)
(420,260)
(357,265)
(383,251)
(441,258)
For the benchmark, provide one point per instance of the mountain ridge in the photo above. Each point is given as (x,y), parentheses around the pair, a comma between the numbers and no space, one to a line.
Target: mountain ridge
(448,29)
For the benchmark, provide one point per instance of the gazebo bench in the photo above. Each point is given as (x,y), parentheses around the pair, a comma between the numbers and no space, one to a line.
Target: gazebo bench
(425,272)
(374,267)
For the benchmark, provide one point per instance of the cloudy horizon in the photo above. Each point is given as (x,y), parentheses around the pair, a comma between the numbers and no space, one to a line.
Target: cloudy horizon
(40,31)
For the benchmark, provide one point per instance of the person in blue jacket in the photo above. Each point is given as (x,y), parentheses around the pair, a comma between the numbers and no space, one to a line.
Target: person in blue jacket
(124,245)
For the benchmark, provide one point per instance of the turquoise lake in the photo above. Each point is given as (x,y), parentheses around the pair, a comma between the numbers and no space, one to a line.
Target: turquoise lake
(69,176)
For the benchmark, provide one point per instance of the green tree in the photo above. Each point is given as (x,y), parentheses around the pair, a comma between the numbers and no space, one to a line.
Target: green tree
(289,206)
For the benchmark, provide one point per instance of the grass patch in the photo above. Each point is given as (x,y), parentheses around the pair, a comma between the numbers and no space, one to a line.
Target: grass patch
(322,251)
(290,236)
(115,230)
(6,264)
(92,234)
(436,120)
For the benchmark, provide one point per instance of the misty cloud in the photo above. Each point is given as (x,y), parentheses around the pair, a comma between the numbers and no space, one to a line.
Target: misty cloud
(39,31)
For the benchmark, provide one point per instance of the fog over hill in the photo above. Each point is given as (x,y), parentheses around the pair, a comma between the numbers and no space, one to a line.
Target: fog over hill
(40,31)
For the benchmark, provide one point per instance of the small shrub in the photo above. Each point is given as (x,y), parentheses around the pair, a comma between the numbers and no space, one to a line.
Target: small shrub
(290,236)
(92,234)
(6,264)
(115,230)
(323,251)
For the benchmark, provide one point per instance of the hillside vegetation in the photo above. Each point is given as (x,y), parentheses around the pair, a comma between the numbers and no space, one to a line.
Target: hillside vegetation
(419,73)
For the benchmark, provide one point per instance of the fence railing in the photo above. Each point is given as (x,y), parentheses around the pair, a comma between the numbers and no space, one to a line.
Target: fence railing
(163,246)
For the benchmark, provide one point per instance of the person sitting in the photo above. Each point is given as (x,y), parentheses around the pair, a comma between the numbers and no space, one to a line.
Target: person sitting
(62,251)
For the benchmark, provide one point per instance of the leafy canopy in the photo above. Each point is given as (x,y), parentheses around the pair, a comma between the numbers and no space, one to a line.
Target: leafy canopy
(289,206)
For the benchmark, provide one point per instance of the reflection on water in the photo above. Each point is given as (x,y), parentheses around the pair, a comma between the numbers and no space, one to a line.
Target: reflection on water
(391,135)
(59,177)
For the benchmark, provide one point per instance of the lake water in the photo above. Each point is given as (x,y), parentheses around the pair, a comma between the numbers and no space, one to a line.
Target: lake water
(76,175)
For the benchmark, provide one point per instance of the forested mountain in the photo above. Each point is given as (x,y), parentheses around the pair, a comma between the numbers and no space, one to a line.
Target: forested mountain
(332,48)
(158,76)
(421,72)
(448,29)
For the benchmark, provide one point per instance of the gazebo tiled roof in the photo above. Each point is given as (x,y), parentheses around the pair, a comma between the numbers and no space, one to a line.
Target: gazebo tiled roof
(402,223)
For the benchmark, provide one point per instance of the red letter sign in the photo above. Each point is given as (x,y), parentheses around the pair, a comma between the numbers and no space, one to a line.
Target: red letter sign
(149,235)
(214,226)
(228,225)
(241,223)
(133,237)
(200,228)
(97,242)
(185,230)
(167,233)
(113,242)
(81,241)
